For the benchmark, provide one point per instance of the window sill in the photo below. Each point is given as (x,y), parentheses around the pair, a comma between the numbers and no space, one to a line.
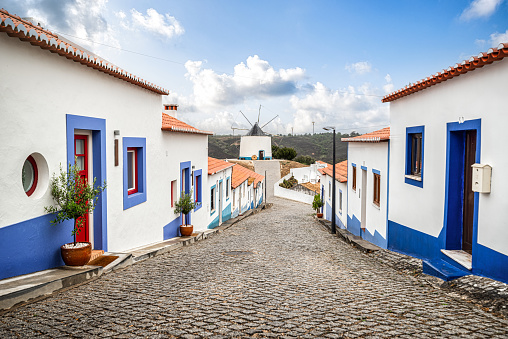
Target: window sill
(413,180)
(413,177)
(199,204)
(376,206)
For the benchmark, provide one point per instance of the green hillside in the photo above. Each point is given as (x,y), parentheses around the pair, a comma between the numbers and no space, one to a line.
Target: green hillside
(317,146)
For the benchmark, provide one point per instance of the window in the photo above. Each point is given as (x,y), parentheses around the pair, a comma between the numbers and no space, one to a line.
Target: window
(414,155)
(234,199)
(198,189)
(29,175)
(132,173)
(377,188)
(354,177)
(212,199)
(227,188)
(329,189)
(173,192)
(340,201)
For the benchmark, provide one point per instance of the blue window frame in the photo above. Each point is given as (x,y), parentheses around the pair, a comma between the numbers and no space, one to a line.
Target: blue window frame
(353,174)
(198,189)
(212,199)
(228,187)
(138,197)
(415,140)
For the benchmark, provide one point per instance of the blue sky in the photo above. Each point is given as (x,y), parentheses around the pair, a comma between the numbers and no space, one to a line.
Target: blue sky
(324,61)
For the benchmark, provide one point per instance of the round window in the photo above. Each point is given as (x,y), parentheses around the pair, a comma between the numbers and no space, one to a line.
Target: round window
(29,175)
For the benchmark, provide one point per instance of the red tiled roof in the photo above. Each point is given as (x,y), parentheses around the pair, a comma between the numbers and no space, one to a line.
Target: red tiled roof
(240,174)
(376,136)
(340,171)
(216,165)
(174,125)
(493,54)
(16,27)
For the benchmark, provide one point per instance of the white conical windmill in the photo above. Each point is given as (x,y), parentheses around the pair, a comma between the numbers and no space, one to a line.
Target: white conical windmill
(256,144)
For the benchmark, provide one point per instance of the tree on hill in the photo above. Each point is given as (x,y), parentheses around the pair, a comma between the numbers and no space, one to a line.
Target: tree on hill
(286,153)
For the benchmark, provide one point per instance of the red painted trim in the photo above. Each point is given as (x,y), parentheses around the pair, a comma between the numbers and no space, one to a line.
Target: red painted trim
(135,189)
(84,234)
(31,160)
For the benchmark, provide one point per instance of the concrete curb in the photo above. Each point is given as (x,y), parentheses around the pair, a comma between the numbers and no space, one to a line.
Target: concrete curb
(20,290)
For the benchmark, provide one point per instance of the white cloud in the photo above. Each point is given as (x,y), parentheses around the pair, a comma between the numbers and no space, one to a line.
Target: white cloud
(497,38)
(349,109)
(154,22)
(388,87)
(480,9)
(361,67)
(253,79)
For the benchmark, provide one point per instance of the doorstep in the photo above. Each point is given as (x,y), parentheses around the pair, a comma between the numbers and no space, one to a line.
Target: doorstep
(26,287)
(460,257)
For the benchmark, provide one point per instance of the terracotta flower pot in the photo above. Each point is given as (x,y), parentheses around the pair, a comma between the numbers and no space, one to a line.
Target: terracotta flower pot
(77,256)
(319,215)
(186,231)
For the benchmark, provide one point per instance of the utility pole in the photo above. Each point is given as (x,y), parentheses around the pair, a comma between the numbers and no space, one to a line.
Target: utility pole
(313,127)
(293,134)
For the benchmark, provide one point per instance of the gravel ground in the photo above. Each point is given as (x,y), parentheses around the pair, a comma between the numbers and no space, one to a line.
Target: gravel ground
(276,274)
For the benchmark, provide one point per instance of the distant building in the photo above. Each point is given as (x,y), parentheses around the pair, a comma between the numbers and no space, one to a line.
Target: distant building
(340,192)
(256,145)
(219,186)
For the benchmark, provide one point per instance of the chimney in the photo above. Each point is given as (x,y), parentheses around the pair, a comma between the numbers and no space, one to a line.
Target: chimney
(35,22)
(170,109)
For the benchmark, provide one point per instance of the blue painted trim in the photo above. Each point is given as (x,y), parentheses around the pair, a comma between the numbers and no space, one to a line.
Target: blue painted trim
(214,223)
(353,164)
(322,194)
(454,185)
(347,187)
(364,168)
(186,165)
(354,225)
(98,128)
(409,131)
(226,213)
(376,238)
(140,196)
(215,209)
(172,229)
(245,158)
(199,192)
(375,171)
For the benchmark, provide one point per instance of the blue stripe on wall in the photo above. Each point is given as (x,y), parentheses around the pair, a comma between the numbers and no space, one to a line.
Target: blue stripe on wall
(32,245)
(214,223)
(172,229)
(226,213)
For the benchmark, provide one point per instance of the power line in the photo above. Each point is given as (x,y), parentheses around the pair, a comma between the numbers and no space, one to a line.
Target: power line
(183,64)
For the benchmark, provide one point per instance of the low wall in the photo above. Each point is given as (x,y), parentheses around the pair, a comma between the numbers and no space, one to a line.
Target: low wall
(291,194)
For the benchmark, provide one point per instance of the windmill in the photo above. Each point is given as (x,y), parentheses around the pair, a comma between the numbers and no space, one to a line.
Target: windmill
(256,144)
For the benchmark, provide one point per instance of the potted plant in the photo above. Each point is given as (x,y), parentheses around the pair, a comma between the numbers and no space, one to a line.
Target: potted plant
(317,204)
(74,198)
(185,205)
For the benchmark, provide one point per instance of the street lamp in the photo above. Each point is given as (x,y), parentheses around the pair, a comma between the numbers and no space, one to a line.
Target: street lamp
(332,128)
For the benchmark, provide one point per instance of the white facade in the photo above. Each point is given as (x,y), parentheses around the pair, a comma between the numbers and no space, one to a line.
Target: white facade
(308,174)
(258,146)
(428,217)
(46,100)
(365,217)
(219,190)
(340,204)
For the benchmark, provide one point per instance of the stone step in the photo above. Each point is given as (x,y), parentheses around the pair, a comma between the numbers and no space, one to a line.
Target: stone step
(442,270)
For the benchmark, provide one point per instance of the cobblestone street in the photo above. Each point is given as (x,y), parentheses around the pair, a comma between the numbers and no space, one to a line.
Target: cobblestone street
(275,274)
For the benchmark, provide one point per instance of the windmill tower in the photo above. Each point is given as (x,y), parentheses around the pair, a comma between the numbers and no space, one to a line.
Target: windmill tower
(256,144)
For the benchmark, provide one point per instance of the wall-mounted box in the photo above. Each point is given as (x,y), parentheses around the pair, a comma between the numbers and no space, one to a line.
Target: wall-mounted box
(481,178)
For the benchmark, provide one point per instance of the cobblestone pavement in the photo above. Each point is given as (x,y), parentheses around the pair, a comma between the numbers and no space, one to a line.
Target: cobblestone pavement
(275,274)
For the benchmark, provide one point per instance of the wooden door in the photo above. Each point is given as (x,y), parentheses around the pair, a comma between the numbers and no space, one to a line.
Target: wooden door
(81,154)
(468,210)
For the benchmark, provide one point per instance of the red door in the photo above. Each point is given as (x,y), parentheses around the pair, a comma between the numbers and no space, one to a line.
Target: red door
(81,154)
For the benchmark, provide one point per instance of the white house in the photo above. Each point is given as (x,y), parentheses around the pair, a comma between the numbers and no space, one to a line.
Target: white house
(219,186)
(367,201)
(256,145)
(309,174)
(446,206)
(59,102)
(340,193)
(247,189)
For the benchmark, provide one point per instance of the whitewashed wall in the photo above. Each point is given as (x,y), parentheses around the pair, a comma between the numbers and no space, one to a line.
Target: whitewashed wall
(251,145)
(474,95)
(372,156)
(290,194)
(226,201)
(327,199)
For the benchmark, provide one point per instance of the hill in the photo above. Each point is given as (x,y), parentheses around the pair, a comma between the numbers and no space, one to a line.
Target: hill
(317,146)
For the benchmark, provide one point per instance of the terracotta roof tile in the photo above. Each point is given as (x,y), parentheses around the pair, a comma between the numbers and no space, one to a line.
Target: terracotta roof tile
(216,165)
(240,174)
(172,124)
(340,171)
(376,136)
(493,54)
(16,27)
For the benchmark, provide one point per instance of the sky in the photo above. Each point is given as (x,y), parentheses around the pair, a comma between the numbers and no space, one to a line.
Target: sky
(327,62)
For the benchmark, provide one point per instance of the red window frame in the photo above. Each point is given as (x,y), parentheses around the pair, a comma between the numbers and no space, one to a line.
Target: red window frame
(134,170)
(31,160)
(354,178)
(173,183)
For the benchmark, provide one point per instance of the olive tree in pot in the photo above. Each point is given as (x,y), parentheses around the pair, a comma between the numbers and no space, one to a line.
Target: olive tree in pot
(317,204)
(74,197)
(185,205)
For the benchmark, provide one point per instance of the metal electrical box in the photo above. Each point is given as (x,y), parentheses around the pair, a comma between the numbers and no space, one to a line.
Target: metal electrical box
(481,178)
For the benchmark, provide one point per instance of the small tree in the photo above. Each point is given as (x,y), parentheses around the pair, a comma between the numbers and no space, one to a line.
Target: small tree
(317,203)
(73,196)
(184,205)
